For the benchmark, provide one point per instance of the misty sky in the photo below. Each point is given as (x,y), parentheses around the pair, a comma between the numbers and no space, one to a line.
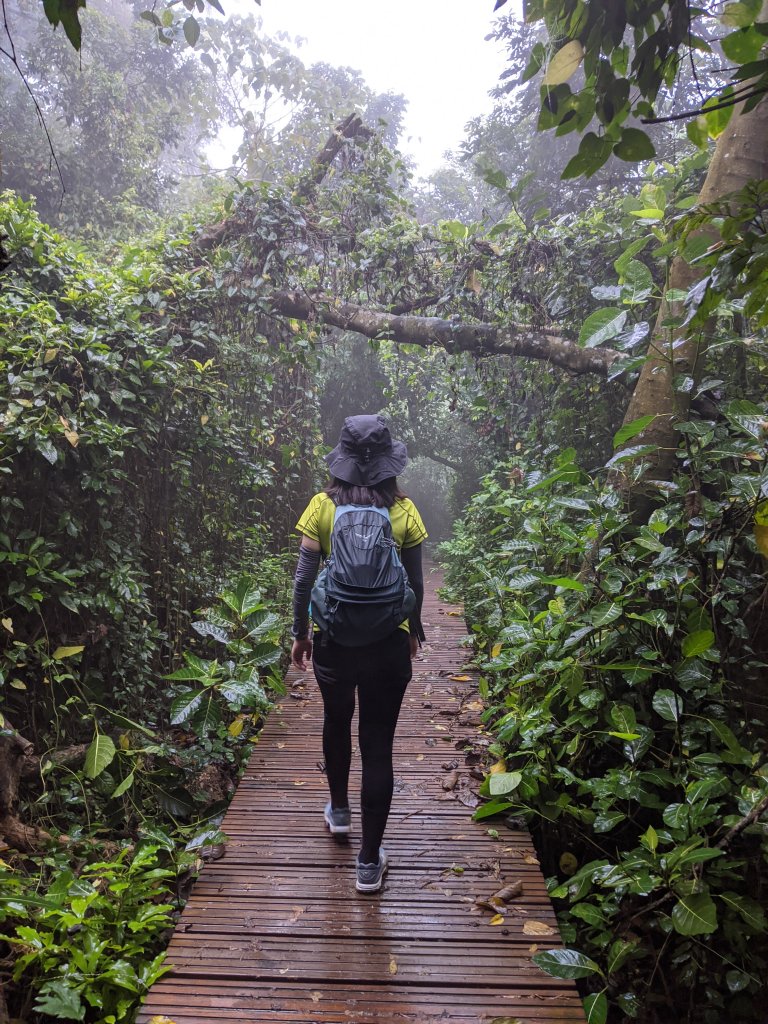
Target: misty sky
(432,51)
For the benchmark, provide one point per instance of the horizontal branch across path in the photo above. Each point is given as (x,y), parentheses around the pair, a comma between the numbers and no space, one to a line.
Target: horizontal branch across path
(452,335)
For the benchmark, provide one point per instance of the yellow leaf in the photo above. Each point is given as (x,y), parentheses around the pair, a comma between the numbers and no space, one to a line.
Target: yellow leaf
(280,746)
(564,63)
(124,742)
(296,782)
(473,282)
(67,652)
(474,705)
(761,538)
(392,965)
(537,928)
(204,419)
(8,624)
(50,353)
(518,446)
(461,679)
(161,1020)
(419,757)
(73,437)
(17,684)
(500,766)
(497,919)
(236,727)
(568,863)
(496,650)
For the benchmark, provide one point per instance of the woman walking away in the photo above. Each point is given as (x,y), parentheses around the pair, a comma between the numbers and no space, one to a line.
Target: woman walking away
(367,624)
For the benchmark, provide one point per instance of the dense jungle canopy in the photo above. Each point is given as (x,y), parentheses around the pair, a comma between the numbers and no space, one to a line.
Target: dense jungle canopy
(567,325)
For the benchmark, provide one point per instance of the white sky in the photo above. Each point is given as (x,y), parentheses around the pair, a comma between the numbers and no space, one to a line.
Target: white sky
(434,52)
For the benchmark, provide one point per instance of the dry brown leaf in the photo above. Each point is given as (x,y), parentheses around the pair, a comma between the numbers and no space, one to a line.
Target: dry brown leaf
(297,912)
(315,996)
(537,928)
(419,757)
(530,859)
(280,746)
(441,728)
(474,705)
(534,948)
(296,782)
(392,965)
(449,782)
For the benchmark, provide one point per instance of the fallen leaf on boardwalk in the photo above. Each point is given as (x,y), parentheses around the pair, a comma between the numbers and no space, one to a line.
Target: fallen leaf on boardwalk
(448,766)
(280,746)
(449,782)
(534,948)
(461,679)
(284,970)
(441,728)
(474,705)
(456,614)
(161,1020)
(537,928)
(419,757)
(497,919)
(505,1020)
(297,912)
(530,859)
(296,782)
(498,900)
(430,741)
(468,798)
(392,965)
(428,690)
(315,996)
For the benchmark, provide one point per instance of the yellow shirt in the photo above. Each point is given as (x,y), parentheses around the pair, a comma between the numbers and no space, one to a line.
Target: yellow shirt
(316,522)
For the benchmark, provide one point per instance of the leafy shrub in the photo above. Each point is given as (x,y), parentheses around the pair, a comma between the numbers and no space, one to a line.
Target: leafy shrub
(623,666)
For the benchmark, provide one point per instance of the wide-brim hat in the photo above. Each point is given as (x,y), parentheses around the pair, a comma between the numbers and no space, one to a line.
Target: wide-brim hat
(366,453)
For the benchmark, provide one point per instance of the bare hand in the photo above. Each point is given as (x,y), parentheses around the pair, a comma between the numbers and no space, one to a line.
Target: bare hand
(301,654)
(414,645)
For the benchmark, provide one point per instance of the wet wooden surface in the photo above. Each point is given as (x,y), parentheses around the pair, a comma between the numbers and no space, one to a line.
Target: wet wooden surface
(275,932)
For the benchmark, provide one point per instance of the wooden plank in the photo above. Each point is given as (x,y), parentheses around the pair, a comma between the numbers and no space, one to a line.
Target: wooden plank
(274,931)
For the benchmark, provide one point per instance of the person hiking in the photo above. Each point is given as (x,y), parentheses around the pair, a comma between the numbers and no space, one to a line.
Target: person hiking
(359,642)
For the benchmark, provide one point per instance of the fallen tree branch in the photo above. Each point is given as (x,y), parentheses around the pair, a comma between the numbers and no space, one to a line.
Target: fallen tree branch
(481,339)
(351,127)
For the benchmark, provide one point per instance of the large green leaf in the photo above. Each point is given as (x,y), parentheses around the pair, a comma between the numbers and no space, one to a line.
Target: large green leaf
(501,783)
(100,753)
(698,642)
(630,430)
(634,145)
(565,963)
(184,705)
(596,1008)
(667,704)
(602,325)
(695,915)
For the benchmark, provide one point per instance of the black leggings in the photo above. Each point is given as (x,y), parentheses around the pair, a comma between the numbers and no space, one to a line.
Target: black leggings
(381,673)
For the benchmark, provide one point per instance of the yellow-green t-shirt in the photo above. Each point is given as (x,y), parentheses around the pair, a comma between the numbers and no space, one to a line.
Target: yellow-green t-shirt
(316,522)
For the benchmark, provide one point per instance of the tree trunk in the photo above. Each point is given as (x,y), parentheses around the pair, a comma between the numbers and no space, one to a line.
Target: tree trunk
(741,155)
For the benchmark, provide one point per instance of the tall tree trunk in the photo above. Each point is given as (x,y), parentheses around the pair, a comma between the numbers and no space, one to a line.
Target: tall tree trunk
(741,155)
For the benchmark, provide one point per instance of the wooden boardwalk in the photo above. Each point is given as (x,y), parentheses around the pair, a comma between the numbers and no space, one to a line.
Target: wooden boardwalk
(275,932)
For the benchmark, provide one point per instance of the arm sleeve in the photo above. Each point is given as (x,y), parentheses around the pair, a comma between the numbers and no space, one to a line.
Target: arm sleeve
(411,558)
(306,571)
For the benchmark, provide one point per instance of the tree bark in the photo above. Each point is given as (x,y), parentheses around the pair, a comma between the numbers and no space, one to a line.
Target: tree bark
(481,339)
(741,155)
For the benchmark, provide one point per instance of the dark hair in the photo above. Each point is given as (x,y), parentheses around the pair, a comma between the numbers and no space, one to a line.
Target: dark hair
(383,494)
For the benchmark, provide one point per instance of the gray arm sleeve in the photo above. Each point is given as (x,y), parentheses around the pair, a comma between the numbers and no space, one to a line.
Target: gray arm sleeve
(411,559)
(306,571)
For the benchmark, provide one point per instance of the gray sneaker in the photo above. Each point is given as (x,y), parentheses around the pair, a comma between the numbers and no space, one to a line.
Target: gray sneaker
(371,876)
(339,821)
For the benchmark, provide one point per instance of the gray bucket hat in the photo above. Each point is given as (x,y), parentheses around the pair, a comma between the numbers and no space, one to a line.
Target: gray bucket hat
(366,453)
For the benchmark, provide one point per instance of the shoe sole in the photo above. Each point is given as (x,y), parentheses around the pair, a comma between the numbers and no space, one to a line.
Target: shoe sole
(337,830)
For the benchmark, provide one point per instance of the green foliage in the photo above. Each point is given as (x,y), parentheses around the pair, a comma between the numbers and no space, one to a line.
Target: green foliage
(93,944)
(623,667)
